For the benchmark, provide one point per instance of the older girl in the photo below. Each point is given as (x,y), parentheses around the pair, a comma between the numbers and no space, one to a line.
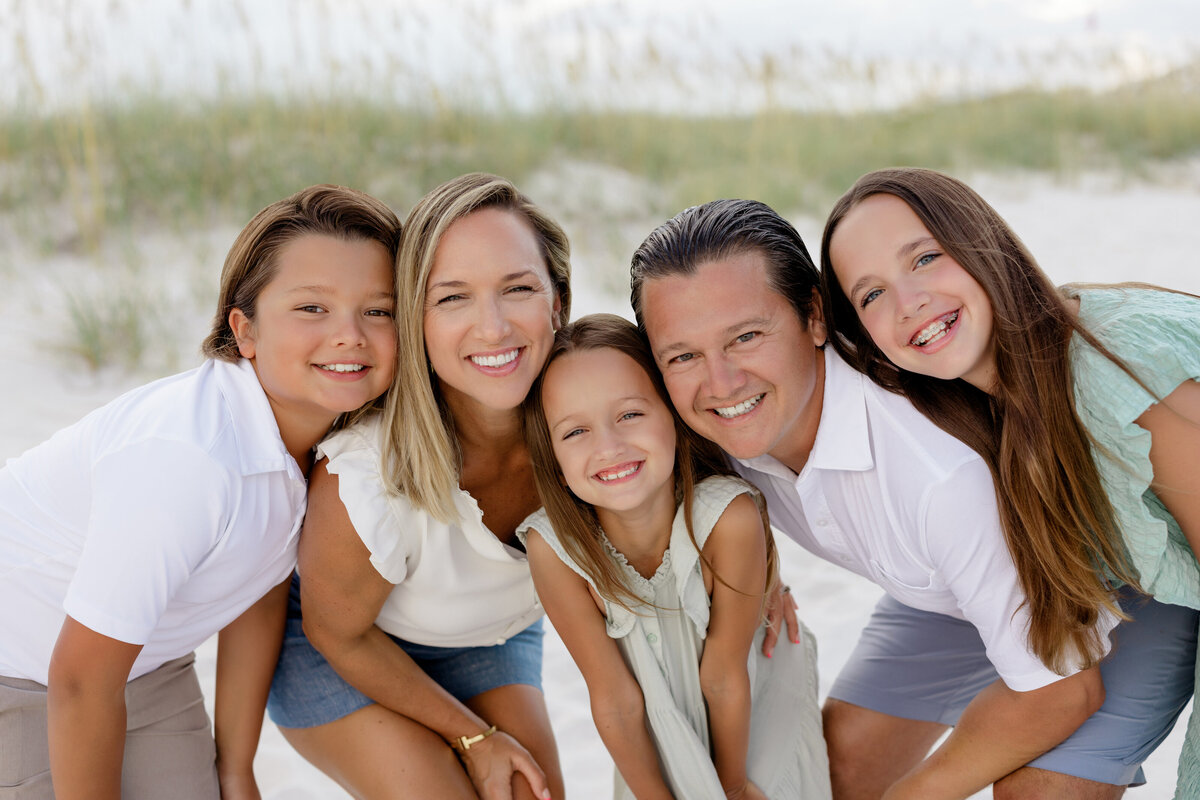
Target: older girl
(652,562)
(423,675)
(1083,400)
(168,515)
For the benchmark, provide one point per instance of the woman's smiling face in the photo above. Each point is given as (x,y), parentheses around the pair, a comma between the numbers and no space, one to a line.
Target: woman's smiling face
(920,307)
(490,310)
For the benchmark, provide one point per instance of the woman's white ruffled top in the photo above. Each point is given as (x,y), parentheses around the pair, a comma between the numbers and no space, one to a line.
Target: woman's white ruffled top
(457,585)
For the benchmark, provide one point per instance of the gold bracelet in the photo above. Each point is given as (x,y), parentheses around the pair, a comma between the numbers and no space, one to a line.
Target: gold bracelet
(465,743)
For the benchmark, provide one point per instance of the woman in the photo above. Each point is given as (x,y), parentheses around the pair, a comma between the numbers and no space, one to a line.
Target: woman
(172,513)
(411,578)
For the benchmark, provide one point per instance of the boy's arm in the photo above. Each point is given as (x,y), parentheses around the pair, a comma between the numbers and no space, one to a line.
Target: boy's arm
(247,650)
(618,707)
(86,712)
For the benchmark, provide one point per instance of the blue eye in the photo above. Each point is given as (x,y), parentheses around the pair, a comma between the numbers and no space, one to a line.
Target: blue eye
(631,415)
(869,296)
(572,432)
(927,258)
(745,337)
(681,358)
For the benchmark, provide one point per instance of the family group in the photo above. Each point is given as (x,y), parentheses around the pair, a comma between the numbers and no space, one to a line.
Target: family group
(401,452)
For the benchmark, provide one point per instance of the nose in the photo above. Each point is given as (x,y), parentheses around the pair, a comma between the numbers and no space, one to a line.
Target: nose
(911,299)
(493,324)
(725,377)
(608,442)
(349,331)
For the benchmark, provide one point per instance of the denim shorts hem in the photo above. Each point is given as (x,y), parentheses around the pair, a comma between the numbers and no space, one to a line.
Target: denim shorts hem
(306,691)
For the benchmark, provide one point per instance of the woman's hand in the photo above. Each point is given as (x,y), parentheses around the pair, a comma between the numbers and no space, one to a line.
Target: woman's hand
(490,764)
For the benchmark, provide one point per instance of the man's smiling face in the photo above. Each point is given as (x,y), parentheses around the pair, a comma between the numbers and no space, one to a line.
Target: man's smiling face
(740,366)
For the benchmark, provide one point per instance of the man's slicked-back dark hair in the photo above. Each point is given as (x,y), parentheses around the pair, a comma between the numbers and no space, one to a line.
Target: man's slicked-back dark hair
(720,230)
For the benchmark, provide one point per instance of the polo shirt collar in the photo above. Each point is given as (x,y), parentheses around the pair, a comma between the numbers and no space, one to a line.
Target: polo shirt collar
(260,447)
(843,437)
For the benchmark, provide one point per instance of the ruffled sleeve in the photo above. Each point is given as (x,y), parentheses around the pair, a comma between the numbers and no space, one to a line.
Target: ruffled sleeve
(619,620)
(713,496)
(1157,334)
(354,456)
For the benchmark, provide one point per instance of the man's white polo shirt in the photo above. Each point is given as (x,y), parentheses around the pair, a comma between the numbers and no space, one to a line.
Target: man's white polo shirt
(889,495)
(155,520)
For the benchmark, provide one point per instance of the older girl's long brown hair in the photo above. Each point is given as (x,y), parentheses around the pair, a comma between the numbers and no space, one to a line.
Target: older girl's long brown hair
(575,521)
(1060,526)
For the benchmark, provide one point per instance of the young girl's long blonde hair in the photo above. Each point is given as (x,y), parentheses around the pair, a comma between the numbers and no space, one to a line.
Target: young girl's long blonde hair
(1060,526)
(575,521)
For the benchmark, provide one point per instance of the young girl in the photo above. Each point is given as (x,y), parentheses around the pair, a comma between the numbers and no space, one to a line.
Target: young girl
(1083,400)
(129,538)
(652,563)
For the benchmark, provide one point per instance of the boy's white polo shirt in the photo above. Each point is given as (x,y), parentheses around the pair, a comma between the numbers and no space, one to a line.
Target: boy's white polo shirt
(889,495)
(155,520)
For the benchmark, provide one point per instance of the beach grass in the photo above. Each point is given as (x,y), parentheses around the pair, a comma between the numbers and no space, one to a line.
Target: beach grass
(89,178)
(183,162)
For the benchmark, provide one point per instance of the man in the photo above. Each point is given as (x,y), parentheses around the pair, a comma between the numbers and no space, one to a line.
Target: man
(726,293)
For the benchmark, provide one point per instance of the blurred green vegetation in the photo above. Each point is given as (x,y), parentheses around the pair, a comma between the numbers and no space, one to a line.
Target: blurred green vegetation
(184,162)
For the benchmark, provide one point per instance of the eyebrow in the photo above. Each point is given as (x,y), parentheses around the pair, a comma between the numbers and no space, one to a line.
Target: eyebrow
(321,289)
(512,276)
(568,418)
(916,244)
(728,331)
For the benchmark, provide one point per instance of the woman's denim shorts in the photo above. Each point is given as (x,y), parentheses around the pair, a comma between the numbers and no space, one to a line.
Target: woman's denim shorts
(306,691)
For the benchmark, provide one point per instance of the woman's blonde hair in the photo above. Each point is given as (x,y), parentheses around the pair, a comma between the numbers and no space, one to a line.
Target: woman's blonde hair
(322,210)
(421,459)
(1059,523)
(575,521)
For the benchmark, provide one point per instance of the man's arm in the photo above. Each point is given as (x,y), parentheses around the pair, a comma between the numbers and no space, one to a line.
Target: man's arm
(1000,731)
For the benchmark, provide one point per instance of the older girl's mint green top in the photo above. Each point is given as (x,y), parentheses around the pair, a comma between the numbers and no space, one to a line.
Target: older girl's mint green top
(662,642)
(1157,334)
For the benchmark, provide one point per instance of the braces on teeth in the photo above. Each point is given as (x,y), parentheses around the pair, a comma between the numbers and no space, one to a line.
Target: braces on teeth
(933,329)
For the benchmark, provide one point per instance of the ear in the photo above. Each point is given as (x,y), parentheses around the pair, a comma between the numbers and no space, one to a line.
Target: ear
(816,321)
(557,320)
(243,332)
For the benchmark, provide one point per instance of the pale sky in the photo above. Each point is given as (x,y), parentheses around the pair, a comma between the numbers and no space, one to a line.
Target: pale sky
(686,54)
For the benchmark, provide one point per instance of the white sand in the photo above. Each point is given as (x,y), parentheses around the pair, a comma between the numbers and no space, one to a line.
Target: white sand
(1095,229)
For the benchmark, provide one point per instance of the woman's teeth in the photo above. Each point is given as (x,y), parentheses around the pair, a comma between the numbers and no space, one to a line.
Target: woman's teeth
(495,361)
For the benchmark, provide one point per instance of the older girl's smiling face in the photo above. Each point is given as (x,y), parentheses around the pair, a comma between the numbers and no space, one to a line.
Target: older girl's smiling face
(920,307)
(490,310)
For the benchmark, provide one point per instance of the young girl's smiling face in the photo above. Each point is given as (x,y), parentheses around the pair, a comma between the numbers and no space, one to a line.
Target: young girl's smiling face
(613,437)
(920,307)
